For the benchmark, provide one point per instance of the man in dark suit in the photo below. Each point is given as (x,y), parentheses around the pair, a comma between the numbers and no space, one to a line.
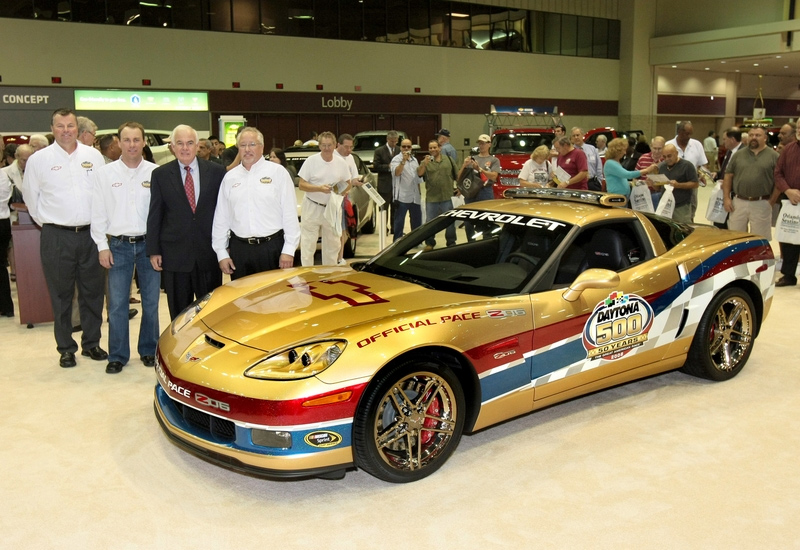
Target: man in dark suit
(183,198)
(381,162)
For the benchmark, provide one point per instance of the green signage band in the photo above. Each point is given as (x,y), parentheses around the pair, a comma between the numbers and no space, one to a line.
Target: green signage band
(139,100)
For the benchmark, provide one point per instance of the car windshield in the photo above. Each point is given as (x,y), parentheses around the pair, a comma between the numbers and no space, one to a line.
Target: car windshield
(369,142)
(502,254)
(519,142)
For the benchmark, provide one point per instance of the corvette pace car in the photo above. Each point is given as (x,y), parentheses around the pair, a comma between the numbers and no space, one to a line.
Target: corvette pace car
(545,295)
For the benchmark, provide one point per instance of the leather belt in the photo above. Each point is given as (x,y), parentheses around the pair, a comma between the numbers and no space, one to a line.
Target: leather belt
(317,203)
(73,228)
(129,238)
(257,240)
(761,198)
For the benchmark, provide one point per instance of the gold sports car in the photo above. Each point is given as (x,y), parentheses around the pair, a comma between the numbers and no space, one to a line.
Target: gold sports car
(539,297)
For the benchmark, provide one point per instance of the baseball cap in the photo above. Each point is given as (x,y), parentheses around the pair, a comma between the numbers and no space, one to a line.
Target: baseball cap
(443,132)
(484,137)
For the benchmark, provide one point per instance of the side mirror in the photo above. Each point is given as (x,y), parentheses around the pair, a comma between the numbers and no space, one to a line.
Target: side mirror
(591,278)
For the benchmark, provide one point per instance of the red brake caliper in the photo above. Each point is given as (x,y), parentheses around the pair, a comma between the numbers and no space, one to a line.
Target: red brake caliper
(434,409)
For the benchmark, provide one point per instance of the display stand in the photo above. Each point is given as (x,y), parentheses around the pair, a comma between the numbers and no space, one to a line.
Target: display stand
(32,293)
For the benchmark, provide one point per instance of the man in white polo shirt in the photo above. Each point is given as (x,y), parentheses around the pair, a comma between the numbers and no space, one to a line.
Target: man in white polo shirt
(255,223)
(120,204)
(58,193)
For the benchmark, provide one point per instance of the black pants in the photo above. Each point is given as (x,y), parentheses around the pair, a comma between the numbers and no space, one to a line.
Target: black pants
(69,258)
(255,258)
(183,288)
(789,254)
(6,304)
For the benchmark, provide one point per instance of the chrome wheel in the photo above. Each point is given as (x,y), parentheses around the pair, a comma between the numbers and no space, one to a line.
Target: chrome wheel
(724,337)
(415,420)
(731,334)
(409,422)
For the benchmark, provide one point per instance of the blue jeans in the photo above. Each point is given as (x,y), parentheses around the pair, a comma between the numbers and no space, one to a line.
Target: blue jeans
(433,209)
(125,256)
(400,217)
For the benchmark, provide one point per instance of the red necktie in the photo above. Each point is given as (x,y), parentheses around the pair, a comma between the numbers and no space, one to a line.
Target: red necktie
(188,185)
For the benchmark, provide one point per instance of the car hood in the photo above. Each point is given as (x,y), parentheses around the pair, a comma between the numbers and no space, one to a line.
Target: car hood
(308,304)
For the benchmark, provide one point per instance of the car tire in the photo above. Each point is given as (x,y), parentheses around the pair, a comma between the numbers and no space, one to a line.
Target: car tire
(395,441)
(724,337)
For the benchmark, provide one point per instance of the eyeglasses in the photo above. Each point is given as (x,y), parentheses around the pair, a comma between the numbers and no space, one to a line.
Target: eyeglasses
(251,145)
(405,147)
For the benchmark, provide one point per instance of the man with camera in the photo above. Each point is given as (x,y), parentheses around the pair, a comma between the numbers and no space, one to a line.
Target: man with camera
(439,172)
(405,187)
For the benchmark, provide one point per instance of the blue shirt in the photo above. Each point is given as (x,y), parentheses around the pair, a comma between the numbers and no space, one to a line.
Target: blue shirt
(617,177)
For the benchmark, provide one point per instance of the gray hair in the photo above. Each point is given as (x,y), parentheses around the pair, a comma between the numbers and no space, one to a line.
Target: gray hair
(24,148)
(392,134)
(252,130)
(39,138)
(182,128)
(86,125)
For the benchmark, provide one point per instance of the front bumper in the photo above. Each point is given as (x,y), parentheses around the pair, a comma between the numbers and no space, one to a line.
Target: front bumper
(230,444)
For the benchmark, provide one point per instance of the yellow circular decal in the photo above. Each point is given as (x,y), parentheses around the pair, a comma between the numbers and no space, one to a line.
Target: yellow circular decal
(323,439)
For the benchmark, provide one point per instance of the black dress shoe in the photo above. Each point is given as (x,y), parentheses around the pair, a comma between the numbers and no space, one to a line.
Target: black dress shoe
(113,367)
(67,360)
(7,314)
(785,281)
(97,353)
(132,313)
(149,360)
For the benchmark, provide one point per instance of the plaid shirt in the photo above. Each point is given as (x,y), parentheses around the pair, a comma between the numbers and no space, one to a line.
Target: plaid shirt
(787,170)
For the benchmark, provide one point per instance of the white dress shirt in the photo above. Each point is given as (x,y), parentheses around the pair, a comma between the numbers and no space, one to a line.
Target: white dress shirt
(256,203)
(406,185)
(57,186)
(5,194)
(593,160)
(120,201)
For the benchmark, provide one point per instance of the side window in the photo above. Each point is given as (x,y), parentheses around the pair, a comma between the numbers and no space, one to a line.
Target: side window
(670,231)
(612,246)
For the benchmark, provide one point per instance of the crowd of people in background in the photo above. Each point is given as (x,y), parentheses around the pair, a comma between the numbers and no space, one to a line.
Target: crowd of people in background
(108,213)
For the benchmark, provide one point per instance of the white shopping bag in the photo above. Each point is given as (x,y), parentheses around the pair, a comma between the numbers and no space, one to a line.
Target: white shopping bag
(716,205)
(641,199)
(666,206)
(788,228)
(457,200)
(333,212)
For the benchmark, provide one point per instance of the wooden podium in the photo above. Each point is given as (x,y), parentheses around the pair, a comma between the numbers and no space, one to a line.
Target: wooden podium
(32,293)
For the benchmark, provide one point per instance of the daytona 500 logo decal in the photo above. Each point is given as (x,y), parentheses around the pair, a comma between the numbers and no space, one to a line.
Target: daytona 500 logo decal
(617,325)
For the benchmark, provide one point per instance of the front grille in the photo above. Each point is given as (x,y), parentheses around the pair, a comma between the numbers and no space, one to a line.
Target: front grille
(221,430)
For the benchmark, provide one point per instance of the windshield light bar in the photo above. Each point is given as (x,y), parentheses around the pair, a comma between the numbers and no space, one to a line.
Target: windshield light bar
(576,195)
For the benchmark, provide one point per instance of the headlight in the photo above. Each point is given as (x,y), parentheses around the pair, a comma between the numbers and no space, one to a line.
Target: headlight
(185,316)
(298,362)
